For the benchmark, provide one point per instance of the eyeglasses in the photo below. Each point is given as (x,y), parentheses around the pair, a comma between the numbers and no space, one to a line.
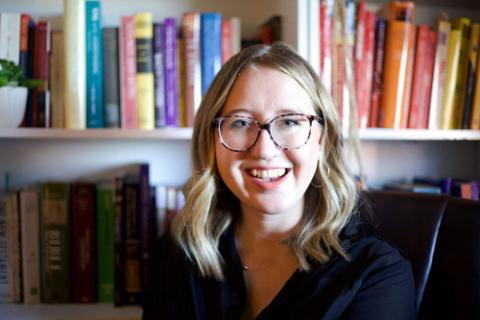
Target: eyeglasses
(288,131)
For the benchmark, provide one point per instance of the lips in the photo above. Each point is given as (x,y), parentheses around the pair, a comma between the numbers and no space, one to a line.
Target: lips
(267,179)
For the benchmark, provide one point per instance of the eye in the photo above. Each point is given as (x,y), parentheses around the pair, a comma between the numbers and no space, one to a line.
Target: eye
(239,123)
(289,122)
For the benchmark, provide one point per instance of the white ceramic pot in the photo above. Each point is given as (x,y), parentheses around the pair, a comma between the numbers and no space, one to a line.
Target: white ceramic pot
(13,101)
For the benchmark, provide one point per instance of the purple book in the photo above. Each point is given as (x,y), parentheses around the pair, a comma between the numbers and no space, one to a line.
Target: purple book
(170,64)
(159,76)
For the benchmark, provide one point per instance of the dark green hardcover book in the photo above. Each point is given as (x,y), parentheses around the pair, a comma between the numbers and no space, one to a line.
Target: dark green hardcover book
(56,246)
(105,242)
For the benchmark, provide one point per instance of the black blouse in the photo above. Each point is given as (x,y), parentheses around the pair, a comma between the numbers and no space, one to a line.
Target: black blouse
(377,283)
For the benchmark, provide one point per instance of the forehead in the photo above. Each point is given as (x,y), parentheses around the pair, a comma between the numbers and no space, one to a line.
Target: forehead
(264,92)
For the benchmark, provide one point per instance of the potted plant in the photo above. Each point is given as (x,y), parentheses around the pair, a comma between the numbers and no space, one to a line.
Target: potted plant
(13,93)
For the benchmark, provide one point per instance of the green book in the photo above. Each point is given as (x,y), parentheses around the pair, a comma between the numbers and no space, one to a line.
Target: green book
(56,246)
(105,242)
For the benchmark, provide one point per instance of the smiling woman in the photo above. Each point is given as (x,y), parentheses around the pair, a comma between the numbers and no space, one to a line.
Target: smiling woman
(269,229)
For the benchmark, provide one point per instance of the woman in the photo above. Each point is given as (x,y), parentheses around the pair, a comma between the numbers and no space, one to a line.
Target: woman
(269,229)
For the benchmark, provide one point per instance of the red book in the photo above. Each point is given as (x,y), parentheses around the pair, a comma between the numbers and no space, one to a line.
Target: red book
(378,51)
(226,40)
(23,59)
(364,80)
(422,78)
(192,72)
(128,73)
(40,97)
(83,245)
(326,47)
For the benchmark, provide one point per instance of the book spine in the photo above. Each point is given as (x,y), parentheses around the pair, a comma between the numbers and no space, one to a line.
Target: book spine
(417,114)
(462,24)
(236,35)
(27,121)
(94,67)
(75,60)
(159,76)
(181,80)
(226,40)
(471,70)
(30,227)
(338,66)
(380,29)
(57,105)
(3,250)
(439,74)
(13,248)
(10,37)
(23,55)
(41,100)
(475,121)
(145,82)
(119,274)
(171,72)
(133,286)
(83,246)
(105,243)
(128,73)
(326,43)
(111,77)
(211,47)
(400,35)
(146,223)
(192,72)
(55,244)
(448,104)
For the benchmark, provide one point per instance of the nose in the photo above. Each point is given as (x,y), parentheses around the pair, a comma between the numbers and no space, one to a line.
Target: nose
(264,147)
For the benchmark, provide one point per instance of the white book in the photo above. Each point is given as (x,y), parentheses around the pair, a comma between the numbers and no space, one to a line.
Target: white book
(74,63)
(236,35)
(13,248)
(10,37)
(30,226)
(314,34)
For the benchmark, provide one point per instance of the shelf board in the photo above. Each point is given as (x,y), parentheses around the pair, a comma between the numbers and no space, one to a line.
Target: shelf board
(101,134)
(94,311)
(185,134)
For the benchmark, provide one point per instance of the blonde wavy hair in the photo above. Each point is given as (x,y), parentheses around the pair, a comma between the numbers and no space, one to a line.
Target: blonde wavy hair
(210,208)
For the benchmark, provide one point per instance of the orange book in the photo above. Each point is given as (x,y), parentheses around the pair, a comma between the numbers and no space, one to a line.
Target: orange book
(398,61)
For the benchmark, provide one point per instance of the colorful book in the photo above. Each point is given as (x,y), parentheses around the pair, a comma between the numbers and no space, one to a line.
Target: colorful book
(159,76)
(398,52)
(30,240)
(75,61)
(472,51)
(111,89)
(170,64)
(192,71)
(128,73)
(94,66)
(57,62)
(422,78)
(145,82)
(105,242)
(24,47)
(83,242)
(210,47)
(55,244)
(439,74)
(377,84)
(447,120)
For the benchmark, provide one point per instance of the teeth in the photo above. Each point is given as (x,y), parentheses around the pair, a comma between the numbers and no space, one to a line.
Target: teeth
(268,174)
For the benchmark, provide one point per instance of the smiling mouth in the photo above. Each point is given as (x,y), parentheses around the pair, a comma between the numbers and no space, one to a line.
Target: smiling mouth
(269,174)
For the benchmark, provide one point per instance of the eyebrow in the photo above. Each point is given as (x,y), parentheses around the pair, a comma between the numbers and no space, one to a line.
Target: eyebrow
(281,111)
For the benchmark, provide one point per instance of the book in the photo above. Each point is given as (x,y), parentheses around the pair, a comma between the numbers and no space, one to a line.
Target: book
(447,120)
(181,81)
(146,224)
(55,243)
(75,61)
(422,78)
(41,94)
(475,118)
(105,219)
(10,37)
(412,187)
(398,54)
(472,53)
(159,76)
(111,77)
(57,105)
(192,70)
(24,47)
(210,47)
(13,248)
(439,74)
(236,26)
(128,73)
(3,249)
(30,240)
(170,64)
(83,242)
(326,43)
(119,243)
(94,66)
(145,82)
(377,74)
(226,40)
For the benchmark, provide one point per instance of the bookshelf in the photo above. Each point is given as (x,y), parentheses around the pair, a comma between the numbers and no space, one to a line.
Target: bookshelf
(34,155)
